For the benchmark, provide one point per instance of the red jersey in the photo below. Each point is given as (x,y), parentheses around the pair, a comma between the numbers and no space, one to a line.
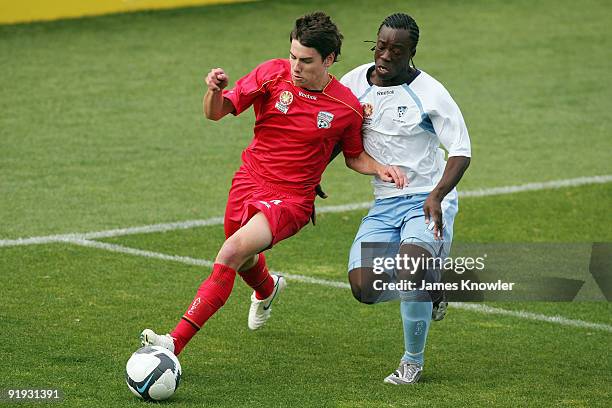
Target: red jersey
(295,129)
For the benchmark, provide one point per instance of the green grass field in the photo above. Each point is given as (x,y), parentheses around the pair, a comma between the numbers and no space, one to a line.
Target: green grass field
(101,128)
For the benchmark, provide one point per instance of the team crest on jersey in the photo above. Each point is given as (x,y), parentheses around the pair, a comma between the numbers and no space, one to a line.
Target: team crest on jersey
(324,120)
(401,110)
(284,100)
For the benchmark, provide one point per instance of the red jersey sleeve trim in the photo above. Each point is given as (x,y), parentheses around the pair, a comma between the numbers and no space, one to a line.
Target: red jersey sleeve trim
(234,101)
(346,104)
(248,88)
(339,100)
(262,86)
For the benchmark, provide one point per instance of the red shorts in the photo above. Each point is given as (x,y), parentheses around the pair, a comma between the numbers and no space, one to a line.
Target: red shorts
(286,212)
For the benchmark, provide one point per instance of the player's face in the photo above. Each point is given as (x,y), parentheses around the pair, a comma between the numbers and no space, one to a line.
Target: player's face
(308,68)
(392,56)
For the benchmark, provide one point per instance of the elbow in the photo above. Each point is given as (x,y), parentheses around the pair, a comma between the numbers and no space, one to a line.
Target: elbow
(211,116)
(350,162)
(460,163)
(357,162)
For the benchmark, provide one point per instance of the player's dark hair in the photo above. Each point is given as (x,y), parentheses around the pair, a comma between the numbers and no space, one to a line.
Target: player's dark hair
(318,31)
(403,22)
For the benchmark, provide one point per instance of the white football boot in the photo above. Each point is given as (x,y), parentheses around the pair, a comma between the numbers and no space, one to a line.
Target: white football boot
(407,373)
(149,338)
(259,312)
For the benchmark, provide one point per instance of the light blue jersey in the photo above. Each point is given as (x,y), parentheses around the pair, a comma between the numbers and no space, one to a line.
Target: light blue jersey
(405,125)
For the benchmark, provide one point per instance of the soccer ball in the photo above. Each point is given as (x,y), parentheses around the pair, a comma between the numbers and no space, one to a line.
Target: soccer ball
(153,373)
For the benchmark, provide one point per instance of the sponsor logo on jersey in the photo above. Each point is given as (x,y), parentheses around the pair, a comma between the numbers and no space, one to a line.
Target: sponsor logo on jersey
(368,110)
(284,100)
(384,93)
(305,95)
(324,120)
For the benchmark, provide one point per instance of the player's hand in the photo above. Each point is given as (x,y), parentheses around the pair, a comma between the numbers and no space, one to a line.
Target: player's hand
(433,213)
(216,79)
(392,174)
(320,192)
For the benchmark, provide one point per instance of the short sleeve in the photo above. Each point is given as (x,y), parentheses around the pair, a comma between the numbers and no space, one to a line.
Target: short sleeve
(450,128)
(250,87)
(352,145)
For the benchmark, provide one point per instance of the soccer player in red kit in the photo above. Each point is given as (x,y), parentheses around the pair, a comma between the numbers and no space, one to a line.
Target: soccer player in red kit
(301,113)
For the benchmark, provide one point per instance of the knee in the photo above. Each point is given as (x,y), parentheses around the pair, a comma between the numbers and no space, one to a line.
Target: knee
(232,252)
(420,259)
(355,279)
(360,296)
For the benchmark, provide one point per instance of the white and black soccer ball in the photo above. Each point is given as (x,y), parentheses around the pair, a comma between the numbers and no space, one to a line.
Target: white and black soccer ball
(153,373)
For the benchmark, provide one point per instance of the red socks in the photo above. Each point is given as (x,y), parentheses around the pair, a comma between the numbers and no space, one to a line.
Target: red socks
(211,296)
(259,278)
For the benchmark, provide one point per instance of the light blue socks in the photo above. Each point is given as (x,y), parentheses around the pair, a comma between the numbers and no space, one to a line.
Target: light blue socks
(416,309)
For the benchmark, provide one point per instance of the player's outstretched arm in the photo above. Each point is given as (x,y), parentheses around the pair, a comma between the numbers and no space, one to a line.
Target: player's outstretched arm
(455,167)
(365,164)
(214,104)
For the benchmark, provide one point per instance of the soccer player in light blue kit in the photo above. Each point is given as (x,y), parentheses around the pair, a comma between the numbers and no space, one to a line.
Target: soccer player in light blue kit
(407,116)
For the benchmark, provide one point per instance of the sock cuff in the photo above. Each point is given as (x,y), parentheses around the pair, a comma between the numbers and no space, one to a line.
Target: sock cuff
(260,265)
(221,270)
(414,296)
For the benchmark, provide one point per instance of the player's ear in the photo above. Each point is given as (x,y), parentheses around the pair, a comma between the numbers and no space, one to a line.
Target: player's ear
(329,60)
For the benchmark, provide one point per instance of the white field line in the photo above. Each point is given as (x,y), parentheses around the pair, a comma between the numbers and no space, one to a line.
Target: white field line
(475,307)
(564,321)
(139,252)
(324,209)
(113,233)
(190,261)
(575,182)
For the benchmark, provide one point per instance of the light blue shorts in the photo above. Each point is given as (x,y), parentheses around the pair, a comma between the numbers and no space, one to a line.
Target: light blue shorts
(398,220)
